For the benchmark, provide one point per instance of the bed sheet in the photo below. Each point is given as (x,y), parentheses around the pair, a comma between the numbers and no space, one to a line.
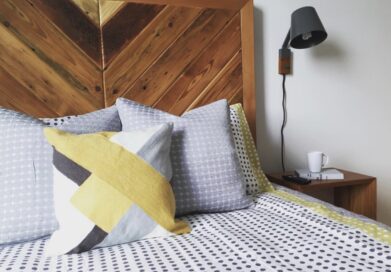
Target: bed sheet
(274,234)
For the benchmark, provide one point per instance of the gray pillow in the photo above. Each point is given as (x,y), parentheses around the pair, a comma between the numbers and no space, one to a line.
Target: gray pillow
(26,189)
(207,175)
(101,120)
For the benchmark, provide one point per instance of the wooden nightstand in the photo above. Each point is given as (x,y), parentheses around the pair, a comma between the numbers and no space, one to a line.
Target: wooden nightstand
(356,193)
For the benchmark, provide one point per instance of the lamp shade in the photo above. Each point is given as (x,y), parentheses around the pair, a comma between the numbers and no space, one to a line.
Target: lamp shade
(306,28)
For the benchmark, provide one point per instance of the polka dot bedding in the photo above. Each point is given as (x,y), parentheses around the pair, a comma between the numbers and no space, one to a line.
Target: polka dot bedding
(274,234)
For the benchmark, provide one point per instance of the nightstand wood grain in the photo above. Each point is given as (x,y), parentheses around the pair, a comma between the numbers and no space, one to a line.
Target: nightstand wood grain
(356,192)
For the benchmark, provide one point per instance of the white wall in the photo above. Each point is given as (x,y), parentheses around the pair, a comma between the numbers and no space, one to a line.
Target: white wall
(339,97)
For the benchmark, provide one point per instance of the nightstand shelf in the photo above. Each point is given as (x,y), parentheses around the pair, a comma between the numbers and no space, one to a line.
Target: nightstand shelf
(356,193)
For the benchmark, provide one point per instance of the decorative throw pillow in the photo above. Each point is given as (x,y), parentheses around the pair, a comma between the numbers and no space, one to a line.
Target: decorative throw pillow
(255,179)
(207,175)
(111,188)
(26,182)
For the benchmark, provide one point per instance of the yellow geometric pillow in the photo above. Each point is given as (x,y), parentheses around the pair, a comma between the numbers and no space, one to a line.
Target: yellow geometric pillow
(112,188)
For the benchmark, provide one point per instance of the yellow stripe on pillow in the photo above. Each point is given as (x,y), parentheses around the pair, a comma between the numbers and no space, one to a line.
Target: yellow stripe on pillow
(101,203)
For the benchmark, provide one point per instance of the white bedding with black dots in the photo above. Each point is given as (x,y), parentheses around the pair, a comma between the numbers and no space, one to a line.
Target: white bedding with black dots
(272,235)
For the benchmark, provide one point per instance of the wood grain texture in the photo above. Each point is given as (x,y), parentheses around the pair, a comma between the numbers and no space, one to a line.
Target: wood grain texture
(73,22)
(360,199)
(153,83)
(356,192)
(198,75)
(129,21)
(90,8)
(215,4)
(26,23)
(107,9)
(74,56)
(237,98)
(46,67)
(16,96)
(37,76)
(225,85)
(248,55)
(139,55)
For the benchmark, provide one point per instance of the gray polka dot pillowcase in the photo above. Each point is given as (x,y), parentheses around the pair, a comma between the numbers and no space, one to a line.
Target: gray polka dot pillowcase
(207,174)
(26,189)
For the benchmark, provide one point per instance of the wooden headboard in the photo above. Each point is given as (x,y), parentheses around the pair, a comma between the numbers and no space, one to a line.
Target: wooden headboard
(68,57)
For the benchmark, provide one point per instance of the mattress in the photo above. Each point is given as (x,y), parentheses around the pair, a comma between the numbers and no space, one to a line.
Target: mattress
(281,231)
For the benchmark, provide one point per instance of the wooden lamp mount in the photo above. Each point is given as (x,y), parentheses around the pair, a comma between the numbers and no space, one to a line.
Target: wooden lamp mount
(285,61)
(285,57)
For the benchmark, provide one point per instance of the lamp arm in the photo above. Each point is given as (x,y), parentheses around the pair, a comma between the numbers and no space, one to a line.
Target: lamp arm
(287,39)
(285,57)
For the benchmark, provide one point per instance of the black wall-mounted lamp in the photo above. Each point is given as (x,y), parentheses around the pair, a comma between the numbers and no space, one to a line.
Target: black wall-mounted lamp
(306,31)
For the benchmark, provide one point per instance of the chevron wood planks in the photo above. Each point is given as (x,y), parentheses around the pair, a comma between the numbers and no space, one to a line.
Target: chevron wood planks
(74,56)
(57,64)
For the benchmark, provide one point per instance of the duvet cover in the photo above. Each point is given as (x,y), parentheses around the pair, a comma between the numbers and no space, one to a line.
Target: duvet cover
(281,231)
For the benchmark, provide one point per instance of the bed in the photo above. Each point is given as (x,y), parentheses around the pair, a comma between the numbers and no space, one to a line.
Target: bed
(178,55)
(275,234)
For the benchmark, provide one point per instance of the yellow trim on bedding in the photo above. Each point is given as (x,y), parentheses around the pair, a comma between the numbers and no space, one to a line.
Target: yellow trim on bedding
(251,150)
(370,229)
(124,171)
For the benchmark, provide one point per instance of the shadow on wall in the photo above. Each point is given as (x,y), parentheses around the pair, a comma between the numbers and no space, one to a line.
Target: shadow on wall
(266,144)
(329,51)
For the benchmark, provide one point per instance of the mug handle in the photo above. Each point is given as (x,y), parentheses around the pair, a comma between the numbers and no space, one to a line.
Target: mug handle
(325,160)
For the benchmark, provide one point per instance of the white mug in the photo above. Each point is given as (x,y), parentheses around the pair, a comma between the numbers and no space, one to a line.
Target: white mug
(316,161)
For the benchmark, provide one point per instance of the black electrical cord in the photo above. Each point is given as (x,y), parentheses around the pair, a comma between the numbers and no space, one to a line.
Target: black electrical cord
(284,121)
